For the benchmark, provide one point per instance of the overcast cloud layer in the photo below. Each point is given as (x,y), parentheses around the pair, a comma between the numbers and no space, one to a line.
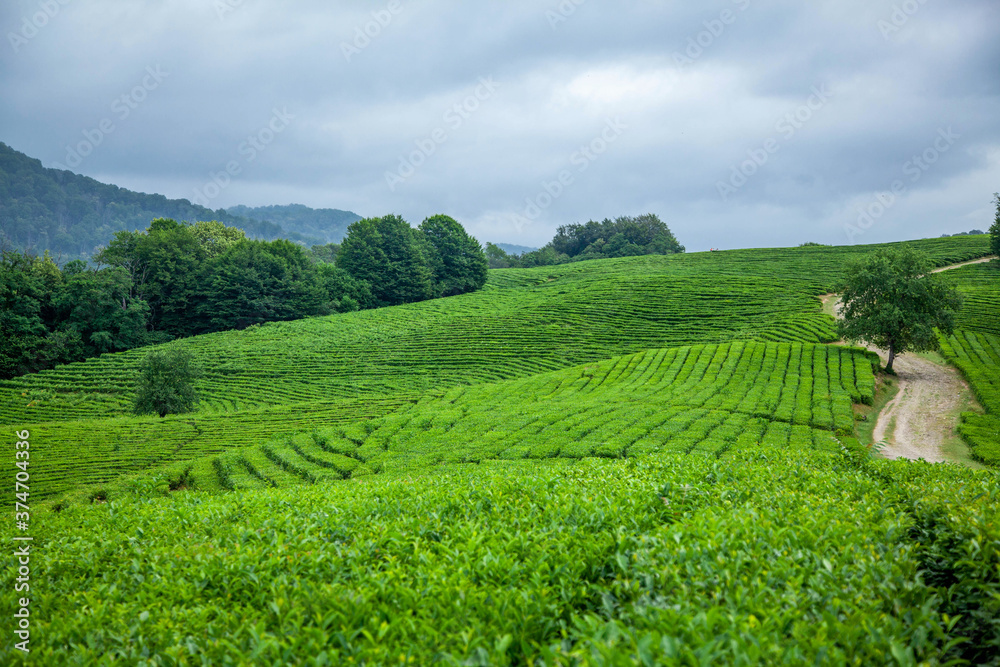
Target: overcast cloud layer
(739,122)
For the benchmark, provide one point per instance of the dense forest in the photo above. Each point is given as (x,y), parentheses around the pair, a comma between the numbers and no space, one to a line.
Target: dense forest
(72,216)
(624,236)
(175,279)
(327,224)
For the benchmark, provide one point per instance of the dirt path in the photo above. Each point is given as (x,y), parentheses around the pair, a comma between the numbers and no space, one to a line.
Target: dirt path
(981,260)
(920,420)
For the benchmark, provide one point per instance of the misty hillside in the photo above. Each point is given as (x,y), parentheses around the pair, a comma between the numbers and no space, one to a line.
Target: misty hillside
(512,249)
(327,224)
(71,215)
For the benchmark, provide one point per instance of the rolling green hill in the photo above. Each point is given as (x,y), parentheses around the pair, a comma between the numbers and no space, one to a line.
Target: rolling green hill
(646,460)
(524,322)
(279,379)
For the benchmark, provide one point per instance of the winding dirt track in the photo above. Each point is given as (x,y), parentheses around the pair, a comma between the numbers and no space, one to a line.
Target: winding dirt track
(922,416)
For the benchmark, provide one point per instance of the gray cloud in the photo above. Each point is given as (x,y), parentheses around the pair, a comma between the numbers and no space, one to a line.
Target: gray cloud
(701,87)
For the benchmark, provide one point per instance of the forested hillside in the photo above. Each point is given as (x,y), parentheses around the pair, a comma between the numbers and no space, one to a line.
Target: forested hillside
(327,224)
(71,216)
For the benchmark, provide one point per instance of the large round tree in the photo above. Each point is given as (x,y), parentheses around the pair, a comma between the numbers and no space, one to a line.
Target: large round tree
(891,300)
(456,259)
(385,253)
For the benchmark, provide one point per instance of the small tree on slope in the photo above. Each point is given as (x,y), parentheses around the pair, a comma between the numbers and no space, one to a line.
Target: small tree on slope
(891,300)
(995,229)
(164,385)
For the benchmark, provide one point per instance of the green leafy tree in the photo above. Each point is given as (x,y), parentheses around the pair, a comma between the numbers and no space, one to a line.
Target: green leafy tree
(261,281)
(343,293)
(165,384)
(97,306)
(166,265)
(27,317)
(892,300)
(995,228)
(497,257)
(456,259)
(215,238)
(385,253)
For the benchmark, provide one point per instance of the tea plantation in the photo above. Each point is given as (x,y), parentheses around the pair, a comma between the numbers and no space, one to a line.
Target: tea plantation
(648,460)
(766,556)
(975,350)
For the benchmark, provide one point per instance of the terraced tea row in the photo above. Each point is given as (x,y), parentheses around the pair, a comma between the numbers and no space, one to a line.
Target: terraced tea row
(697,400)
(527,321)
(977,355)
(980,287)
(68,455)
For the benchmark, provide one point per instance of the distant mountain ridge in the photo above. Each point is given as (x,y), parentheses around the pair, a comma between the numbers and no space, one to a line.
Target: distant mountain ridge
(328,224)
(512,249)
(72,216)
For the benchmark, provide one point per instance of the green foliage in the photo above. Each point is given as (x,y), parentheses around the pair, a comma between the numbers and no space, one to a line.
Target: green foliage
(497,257)
(995,228)
(980,297)
(215,237)
(325,254)
(524,321)
(261,281)
(633,461)
(977,355)
(164,386)
(763,557)
(98,308)
(891,300)
(456,259)
(698,401)
(387,254)
(623,237)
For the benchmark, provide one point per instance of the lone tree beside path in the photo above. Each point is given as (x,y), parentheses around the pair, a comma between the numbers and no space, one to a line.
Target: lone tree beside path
(891,300)
(995,229)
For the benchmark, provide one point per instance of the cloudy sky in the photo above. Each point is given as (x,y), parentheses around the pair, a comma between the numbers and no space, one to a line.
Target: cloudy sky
(740,123)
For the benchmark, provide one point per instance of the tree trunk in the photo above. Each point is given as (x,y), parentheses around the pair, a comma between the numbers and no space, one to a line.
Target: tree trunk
(892,357)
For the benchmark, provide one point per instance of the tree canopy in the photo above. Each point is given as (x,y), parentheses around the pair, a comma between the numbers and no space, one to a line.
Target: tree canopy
(624,236)
(890,299)
(387,254)
(165,385)
(457,262)
(176,279)
(995,228)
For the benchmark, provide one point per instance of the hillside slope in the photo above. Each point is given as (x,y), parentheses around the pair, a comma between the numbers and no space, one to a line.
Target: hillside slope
(524,322)
(71,215)
(328,224)
(699,400)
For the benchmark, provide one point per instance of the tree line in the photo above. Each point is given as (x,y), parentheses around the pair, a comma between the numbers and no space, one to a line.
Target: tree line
(176,279)
(624,236)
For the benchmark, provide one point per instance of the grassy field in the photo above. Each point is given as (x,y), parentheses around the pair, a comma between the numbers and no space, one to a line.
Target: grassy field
(640,461)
